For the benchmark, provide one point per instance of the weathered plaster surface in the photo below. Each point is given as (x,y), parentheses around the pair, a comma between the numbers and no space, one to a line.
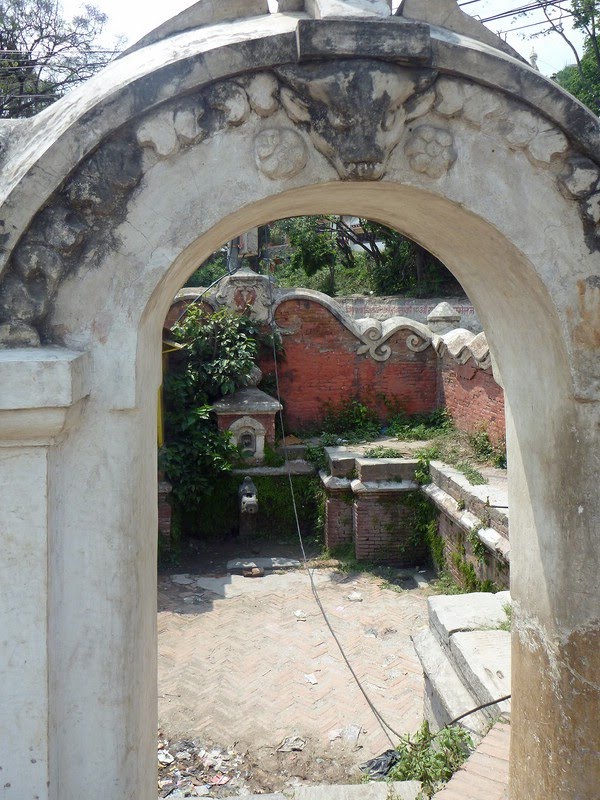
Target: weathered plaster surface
(221,130)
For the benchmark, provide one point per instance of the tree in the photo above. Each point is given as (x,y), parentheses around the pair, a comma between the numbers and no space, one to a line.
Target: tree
(583,79)
(366,256)
(584,16)
(43,55)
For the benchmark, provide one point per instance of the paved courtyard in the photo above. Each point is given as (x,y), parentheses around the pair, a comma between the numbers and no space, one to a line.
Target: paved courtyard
(247,662)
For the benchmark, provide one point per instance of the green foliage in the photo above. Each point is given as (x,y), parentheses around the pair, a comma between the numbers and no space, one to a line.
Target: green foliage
(317,456)
(43,55)
(445,584)
(424,457)
(485,450)
(582,79)
(473,475)
(272,458)
(328,254)
(382,452)
(211,270)
(350,422)
(468,577)
(431,758)
(218,355)
(477,546)
(218,514)
(419,427)
(506,625)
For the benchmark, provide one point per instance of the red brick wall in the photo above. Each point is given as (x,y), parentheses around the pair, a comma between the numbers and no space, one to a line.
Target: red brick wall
(383,531)
(321,366)
(338,519)
(473,398)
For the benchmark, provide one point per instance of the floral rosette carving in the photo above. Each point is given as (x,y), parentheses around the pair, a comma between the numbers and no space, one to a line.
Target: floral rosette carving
(431,151)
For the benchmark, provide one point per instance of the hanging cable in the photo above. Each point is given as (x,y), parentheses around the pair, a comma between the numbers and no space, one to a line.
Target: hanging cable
(385,726)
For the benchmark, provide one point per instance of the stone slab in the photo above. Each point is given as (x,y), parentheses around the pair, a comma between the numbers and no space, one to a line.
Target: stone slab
(44,377)
(483,659)
(386,469)
(230,586)
(336,9)
(451,614)
(402,43)
(240,564)
(446,695)
(400,790)
(204,12)
(341,461)
(299,467)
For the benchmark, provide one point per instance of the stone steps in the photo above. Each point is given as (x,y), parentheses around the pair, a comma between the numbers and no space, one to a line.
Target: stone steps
(466,659)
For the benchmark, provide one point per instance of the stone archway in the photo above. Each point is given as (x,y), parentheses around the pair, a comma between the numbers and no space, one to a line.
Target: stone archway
(114,195)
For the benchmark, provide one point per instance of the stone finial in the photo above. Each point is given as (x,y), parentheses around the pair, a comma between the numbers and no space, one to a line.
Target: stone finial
(443,318)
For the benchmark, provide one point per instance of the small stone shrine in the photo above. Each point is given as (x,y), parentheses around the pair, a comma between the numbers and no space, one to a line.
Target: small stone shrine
(250,417)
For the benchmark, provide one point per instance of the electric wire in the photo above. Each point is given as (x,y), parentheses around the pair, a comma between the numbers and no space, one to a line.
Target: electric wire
(385,726)
(477,708)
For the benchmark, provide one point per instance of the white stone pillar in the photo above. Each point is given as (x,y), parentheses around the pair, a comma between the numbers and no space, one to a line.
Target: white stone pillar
(39,390)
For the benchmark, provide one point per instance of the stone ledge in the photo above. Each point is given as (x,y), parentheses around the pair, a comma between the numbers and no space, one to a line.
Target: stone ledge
(495,542)
(450,614)
(383,487)
(404,43)
(483,659)
(45,377)
(39,387)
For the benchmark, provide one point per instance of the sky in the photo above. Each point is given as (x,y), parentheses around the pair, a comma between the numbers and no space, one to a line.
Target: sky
(134,18)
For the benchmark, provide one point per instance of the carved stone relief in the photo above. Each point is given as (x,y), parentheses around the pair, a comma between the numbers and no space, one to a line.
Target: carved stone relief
(280,153)
(355,111)
(246,291)
(431,151)
(80,219)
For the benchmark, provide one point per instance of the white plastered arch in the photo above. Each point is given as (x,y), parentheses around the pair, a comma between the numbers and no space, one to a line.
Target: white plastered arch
(496,212)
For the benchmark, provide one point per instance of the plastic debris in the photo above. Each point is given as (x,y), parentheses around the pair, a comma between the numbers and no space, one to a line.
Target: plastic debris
(291,743)
(311,679)
(183,580)
(189,770)
(380,766)
(350,734)
(300,615)
(355,597)
(164,757)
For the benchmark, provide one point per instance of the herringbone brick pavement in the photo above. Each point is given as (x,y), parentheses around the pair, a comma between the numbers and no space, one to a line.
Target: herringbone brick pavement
(234,669)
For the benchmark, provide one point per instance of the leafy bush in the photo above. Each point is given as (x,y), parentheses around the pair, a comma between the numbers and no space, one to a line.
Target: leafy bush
(485,450)
(218,354)
(420,426)
(382,452)
(351,421)
(431,758)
